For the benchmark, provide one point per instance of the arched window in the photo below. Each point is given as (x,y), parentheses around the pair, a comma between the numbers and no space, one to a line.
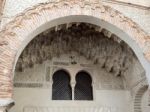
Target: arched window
(83,87)
(61,89)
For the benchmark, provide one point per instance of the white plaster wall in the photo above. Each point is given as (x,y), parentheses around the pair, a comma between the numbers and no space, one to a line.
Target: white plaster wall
(114,98)
(14,7)
(41,98)
(134,75)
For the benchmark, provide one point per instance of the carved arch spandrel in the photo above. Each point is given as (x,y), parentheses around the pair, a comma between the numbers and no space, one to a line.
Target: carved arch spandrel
(15,32)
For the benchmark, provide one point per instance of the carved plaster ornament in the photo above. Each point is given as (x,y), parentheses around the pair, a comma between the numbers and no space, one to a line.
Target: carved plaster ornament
(104,49)
(116,38)
(107,33)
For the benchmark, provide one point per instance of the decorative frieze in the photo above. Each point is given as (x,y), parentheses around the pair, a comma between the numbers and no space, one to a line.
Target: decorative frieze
(28,85)
(61,63)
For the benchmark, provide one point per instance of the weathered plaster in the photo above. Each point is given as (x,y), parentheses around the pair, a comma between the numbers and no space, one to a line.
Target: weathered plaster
(18,33)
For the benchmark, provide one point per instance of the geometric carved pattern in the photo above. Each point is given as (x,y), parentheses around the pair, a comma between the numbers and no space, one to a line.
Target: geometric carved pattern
(28,85)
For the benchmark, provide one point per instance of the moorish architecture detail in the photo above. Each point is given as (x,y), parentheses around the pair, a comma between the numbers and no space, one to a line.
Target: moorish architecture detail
(104,48)
(75,56)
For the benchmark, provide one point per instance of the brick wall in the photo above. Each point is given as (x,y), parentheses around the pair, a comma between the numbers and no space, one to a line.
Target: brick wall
(140,16)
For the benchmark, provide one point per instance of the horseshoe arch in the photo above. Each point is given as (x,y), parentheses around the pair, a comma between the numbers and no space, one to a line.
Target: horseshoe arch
(20,31)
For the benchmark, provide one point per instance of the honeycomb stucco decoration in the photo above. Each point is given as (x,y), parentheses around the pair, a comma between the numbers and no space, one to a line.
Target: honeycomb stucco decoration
(15,32)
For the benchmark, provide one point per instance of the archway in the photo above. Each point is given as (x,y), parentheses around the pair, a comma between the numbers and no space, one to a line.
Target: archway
(19,32)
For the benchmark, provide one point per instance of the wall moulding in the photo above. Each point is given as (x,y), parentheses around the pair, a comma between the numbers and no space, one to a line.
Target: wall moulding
(21,30)
(127,3)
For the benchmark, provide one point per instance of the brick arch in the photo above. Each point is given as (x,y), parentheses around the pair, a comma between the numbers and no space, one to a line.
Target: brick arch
(21,30)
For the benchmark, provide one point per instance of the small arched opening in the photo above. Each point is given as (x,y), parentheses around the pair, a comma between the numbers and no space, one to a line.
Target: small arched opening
(83,87)
(61,89)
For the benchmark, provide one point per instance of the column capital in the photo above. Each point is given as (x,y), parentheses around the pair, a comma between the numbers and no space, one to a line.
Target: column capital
(73,84)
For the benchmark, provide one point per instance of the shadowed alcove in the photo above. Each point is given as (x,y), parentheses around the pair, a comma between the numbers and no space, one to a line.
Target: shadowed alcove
(61,89)
(83,87)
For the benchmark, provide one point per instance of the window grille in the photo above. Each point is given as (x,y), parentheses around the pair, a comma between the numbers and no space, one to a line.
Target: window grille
(83,87)
(61,89)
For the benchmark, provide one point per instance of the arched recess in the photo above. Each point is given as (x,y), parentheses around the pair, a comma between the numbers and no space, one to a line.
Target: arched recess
(83,87)
(20,31)
(61,89)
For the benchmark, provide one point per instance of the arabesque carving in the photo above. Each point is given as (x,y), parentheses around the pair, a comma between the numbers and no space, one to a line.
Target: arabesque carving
(103,48)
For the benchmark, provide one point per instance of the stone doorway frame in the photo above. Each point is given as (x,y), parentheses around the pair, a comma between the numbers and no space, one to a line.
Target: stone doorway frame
(21,30)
